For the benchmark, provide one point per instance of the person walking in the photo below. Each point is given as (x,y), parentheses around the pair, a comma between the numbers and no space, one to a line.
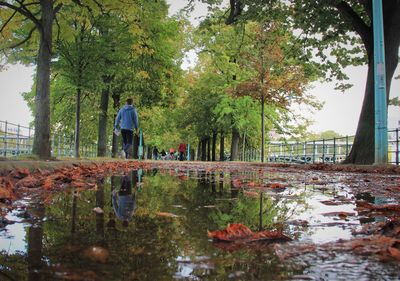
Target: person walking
(182,151)
(127,120)
(155,153)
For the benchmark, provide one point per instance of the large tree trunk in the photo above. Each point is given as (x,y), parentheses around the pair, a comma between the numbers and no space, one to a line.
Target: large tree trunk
(102,137)
(114,149)
(235,144)
(222,147)
(214,145)
(41,142)
(77,123)
(363,149)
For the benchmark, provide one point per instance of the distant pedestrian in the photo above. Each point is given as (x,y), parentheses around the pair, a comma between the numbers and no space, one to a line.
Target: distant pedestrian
(155,153)
(182,151)
(127,120)
(163,154)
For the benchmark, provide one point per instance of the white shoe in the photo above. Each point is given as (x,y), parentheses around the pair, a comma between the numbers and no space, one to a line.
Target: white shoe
(123,155)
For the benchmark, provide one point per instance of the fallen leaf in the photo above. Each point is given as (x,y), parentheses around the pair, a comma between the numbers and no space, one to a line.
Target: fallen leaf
(276,185)
(394,252)
(29,182)
(97,253)
(5,193)
(165,214)
(251,194)
(98,210)
(239,232)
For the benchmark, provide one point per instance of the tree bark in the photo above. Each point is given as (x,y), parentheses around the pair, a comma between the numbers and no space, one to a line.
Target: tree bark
(41,142)
(77,123)
(102,137)
(214,146)
(199,150)
(208,148)
(204,149)
(363,149)
(116,105)
(235,144)
(222,147)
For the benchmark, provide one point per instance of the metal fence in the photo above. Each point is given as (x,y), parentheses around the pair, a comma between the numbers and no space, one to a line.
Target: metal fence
(17,140)
(331,151)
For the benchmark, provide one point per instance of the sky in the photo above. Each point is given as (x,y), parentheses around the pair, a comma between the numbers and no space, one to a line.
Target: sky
(340,112)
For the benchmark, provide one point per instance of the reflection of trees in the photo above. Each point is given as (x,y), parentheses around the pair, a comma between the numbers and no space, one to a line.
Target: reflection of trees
(35,244)
(149,247)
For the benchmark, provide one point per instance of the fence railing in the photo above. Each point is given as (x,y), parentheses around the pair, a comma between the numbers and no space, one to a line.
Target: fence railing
(17,140)
(332,150)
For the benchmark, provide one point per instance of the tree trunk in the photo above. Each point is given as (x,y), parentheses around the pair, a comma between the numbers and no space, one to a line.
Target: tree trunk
(204,149)
(235,144)
(222,147)
(77,123)
(102,137)
(116,105)
(243,147)
(262,126)
(208,149)
(41,142)
(214,145)
(199,150)
(363,149)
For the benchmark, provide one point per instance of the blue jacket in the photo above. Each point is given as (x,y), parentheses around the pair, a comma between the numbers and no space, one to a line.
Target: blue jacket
(129,118)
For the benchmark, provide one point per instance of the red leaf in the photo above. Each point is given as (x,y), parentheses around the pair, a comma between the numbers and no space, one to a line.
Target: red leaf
(276,185)
(241,233)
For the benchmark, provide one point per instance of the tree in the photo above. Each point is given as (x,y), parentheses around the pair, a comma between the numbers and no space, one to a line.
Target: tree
(339,33)
(14,13)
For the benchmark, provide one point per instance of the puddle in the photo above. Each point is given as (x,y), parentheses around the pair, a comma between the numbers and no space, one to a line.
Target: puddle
(153,226)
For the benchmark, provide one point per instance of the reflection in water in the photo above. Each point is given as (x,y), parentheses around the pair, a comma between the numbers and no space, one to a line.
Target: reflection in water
(35,244)
(74,244)
(123,199)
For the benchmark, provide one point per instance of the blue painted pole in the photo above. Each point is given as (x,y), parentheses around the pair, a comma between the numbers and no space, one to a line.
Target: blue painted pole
(188,152)
(381,138)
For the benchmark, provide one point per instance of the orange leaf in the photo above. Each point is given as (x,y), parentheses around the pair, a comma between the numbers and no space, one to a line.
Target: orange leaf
(48,183)
(241,233)
(276,185)
(394,252)
(165,214)
(252,194)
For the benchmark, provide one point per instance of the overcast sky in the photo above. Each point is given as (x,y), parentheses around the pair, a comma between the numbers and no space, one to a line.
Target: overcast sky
(340,112)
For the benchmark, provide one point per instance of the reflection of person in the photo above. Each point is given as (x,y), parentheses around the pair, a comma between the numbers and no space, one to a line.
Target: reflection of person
(128,118)
(124,203)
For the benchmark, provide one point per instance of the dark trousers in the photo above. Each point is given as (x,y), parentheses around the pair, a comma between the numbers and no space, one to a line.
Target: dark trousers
(127,139)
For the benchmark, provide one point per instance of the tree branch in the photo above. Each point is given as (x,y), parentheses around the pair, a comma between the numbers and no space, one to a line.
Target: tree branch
(25,40)
(7,21)
(359,25)
(22,10)
(236,10)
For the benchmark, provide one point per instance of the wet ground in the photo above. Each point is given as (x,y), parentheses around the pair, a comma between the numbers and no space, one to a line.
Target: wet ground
(151,224)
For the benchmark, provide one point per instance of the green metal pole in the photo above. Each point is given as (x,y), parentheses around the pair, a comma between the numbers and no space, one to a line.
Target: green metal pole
(140,145)
(381,138)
